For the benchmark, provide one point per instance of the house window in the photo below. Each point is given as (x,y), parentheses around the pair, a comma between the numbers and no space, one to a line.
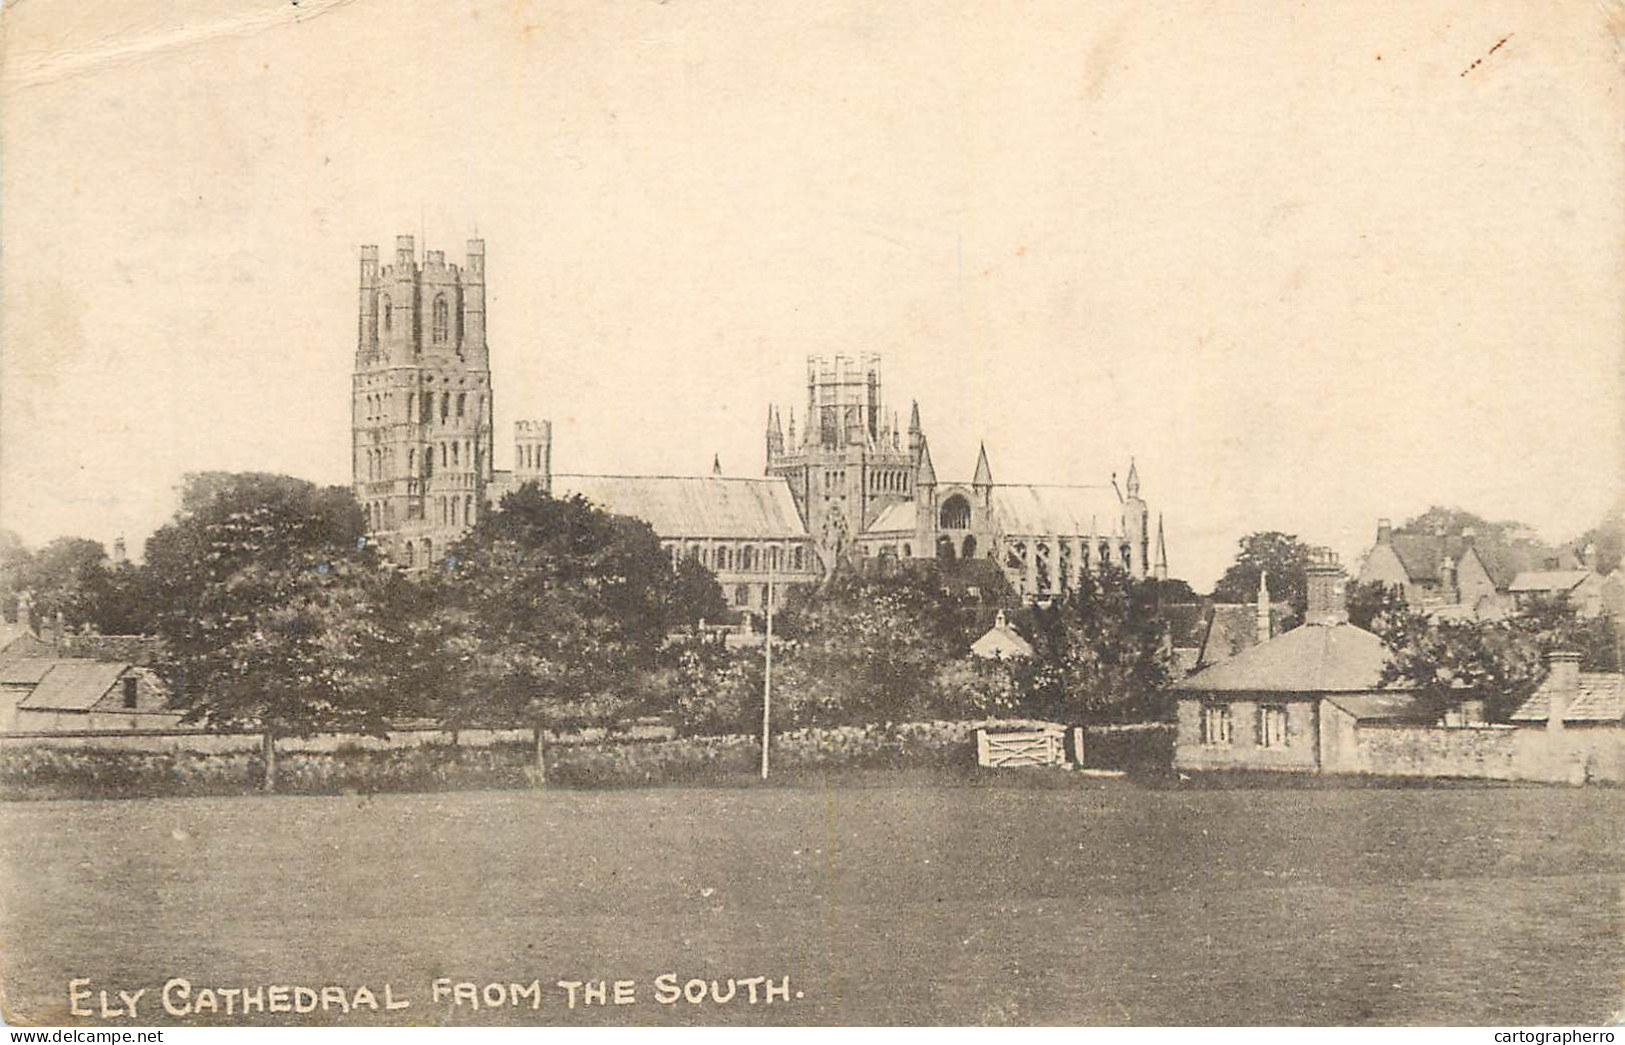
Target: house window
(742,595)
(1216,725)
(129,691)
(1272,726)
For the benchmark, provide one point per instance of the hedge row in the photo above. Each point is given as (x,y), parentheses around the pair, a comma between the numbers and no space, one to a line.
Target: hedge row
(46,772)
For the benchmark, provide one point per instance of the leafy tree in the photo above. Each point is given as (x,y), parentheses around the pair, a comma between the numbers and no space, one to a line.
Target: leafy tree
(62,577)
(868,647)
(696,595)
(1453,521)
(715,689)
(1284,557)
(1099,653)
(262,588)
(1500,663)
(1371,602)
(1606,541)
(562,609)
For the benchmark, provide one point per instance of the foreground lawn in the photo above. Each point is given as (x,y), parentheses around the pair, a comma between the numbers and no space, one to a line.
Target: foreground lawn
(924,902)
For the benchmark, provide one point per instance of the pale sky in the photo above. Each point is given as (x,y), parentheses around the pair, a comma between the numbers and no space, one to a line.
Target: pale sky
(1306,263)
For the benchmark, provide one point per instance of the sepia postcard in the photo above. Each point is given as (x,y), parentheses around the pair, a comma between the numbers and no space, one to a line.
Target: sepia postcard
(690,512)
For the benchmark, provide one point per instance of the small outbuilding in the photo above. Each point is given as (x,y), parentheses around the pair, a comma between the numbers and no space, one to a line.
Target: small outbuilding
(1001,641)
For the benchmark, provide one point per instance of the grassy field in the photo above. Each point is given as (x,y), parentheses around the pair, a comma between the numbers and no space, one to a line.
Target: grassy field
(884,899)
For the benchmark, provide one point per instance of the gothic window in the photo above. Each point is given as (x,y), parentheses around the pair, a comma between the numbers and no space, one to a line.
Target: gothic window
(742,595)
(955,514)
(970,547)
(908,551)
(462,401)
(724,557)
(428,462)
(445,407)
(386,317)
(1041,570)
(411,556)
(445,455)
(775,557)
(1015,556)
(456,453)
(747,558)
(798,558)
(1064,573)
(411,461)
(945,548)
(455,505)
(442,319)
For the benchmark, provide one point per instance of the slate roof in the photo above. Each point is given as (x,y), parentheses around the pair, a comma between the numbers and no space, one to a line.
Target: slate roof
(73,685)
(1314,658)
(894,517)
(693,506)
(25,671)
(1601,699)
(1421,554)
(1549,580)
(1057,510)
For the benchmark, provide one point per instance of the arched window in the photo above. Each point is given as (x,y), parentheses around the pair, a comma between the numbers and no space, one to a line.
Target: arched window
(410,555)
(955,514)
(428,462)
(908,551)
(442,319)
(456,452)
(724,557)
(969,551)
(445,408)
(798,558)
(411,461)
(386,317)
(462,402)
(747,558)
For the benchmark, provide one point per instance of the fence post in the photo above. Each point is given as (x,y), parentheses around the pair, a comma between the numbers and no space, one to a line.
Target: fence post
(1077,746)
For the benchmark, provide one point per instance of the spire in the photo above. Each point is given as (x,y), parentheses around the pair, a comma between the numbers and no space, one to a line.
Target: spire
(792,426)
(1133,483)
(914,417)
(775,434)
(1262,612)
(984,474)
(926,475)
(716,464)
(916,435)
(1161,566)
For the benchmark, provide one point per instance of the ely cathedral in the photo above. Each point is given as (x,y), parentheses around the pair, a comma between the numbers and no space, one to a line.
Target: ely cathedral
(851,484)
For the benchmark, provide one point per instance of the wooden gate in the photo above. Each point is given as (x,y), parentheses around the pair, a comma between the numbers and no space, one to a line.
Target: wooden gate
(1034,747)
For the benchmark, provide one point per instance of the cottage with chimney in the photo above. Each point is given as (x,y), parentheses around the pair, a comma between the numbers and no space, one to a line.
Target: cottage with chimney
(1285,703)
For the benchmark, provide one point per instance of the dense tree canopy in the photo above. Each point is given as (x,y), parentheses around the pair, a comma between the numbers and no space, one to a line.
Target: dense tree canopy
(1284,557)
(1447,662)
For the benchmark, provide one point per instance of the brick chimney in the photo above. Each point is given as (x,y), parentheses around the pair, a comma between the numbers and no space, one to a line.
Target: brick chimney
(1327,603)
(1385,531)
(1562,686)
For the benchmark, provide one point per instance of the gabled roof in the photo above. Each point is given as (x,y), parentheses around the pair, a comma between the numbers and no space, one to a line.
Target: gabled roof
(73,685)
(1001,640)
(1601,699)
(693,506)
(1421,554)
(984,474)
(1549,580)
(1314,658)
(1057,510)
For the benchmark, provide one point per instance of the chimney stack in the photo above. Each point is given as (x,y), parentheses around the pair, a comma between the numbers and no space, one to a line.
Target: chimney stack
(1562,686)
(1326,599)
(1385,531)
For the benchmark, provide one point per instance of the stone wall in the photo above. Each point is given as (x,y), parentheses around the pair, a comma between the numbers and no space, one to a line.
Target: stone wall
(1572,756)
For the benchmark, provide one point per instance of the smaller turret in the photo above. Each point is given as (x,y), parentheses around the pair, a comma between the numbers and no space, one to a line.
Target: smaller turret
(1162,552)
(533,453)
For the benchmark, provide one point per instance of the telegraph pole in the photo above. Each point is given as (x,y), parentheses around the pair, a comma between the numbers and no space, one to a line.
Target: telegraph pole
(767,673)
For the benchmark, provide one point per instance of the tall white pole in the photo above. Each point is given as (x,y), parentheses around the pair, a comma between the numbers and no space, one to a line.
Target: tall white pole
(767,673)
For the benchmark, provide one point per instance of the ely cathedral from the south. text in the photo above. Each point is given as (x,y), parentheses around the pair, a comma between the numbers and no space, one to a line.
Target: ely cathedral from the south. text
(851,482)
